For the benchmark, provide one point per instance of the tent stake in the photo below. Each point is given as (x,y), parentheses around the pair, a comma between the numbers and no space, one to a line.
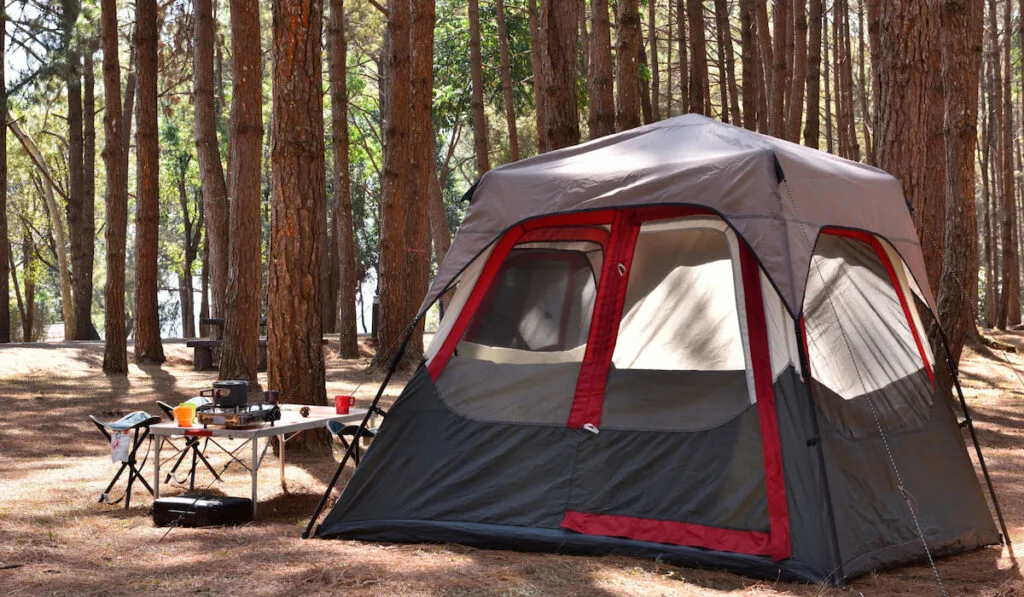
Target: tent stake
(839,577)
(362,427)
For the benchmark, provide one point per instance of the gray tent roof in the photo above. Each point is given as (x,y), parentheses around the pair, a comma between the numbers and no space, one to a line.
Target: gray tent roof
(695,160)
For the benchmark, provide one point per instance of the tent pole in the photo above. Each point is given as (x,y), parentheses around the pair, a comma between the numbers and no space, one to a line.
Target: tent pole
(969,422)
(362,426)
(805,365)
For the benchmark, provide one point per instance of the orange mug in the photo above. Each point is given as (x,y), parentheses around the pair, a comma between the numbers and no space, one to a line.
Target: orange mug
(184,414)
(343,403)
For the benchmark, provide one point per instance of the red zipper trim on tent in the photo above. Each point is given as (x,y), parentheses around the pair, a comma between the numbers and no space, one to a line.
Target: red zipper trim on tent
(873,242)
(761,367)
(604,326)
(667,531)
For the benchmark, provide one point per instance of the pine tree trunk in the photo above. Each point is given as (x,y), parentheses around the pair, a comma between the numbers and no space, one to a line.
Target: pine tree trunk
(749,60)
(865,111)
(344,228)
(5,246)
(812,128)
(646,111)
(1010,311)
(684,59)
(826,83)
(295,362)
(669,40)
(483,162)
(204,285)
(795,108)
(506,83)
(846,72)
(599,78)
(240,354)
(559,27)
(627,68)
(28,277)
(700,96)
(188,321)
(81,264)
(767,72)
(960,26)
(905,80)
(986,195)
(995,90)
(726,71)
(842,99)
(537,53)
(88,215)
(211,171)
(115,353)
(780,69)
(652,39)
(148,348)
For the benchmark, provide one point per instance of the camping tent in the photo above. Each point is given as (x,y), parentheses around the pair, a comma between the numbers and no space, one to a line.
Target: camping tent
(684,341)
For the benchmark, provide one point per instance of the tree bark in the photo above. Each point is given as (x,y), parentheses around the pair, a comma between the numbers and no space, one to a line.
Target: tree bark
(1010,311)
(483,162)
(84,282)
(28,277)
(295,363)
(767,73)
(865,111)
(780,69)
(646,111)
(422,166)
(537,59)
(193,235)
(907,85)
(652,39)
(749,61)
(343,225)
(627,67)
(506,83)
(148,348)
(987,192)
(560,30)
(81,262)
(211,171)
(827,85)
(799,74)
(240,355)
(960,36)
(700,96)
(812,128)
(599,78)
(60,237)
(6,271)
(115,353)
(684,60)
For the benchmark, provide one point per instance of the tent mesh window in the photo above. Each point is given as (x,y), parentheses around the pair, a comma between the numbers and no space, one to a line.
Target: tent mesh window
(861,347)
(521,354)
(679,363)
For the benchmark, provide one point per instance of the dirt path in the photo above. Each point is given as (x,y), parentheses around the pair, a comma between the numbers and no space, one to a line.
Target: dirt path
(56,540)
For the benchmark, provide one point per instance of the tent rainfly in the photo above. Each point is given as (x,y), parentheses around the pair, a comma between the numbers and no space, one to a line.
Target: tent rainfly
(684,341)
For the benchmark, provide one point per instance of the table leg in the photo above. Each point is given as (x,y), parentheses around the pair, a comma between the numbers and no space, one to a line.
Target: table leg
(255,470)
(156,468)
(280,441)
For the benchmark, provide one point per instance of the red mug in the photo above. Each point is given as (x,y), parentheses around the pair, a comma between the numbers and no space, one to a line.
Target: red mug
(343,403)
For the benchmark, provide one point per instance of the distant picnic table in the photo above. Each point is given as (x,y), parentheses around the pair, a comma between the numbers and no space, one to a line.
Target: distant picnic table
(203,348)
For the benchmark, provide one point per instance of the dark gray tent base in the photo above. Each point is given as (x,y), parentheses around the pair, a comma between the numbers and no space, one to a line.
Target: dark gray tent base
(493,536)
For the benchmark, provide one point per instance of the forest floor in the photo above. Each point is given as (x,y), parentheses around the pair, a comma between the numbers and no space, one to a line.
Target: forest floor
(55,539)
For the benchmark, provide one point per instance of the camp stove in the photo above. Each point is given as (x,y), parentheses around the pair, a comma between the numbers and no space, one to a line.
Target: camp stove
(234,417)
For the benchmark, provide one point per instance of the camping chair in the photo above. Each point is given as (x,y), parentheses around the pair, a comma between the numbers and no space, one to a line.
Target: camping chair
(191,447)
(343,430)
(136,421)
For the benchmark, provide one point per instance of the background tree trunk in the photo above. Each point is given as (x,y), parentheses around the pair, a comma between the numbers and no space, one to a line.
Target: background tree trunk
(1009,314)
(749,60)
(799,74)
(780,68)
(295,362)
(865,111)
(84,281)
(115,353)
(60,237)
(348,285)
(812,128)
(960,38)
(700,100)
(5,245)
(684,60)
(827,86)
(537,59)
(506,83)
(240,355)
(559,27)
(28,277)
(599,77)
(904,81)
(652,39)
(627,68)
(81,263)
(483,161)
(148,348)
(211,171)
(767,73)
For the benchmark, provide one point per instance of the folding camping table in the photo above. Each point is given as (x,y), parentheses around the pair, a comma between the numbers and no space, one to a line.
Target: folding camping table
(291,423)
